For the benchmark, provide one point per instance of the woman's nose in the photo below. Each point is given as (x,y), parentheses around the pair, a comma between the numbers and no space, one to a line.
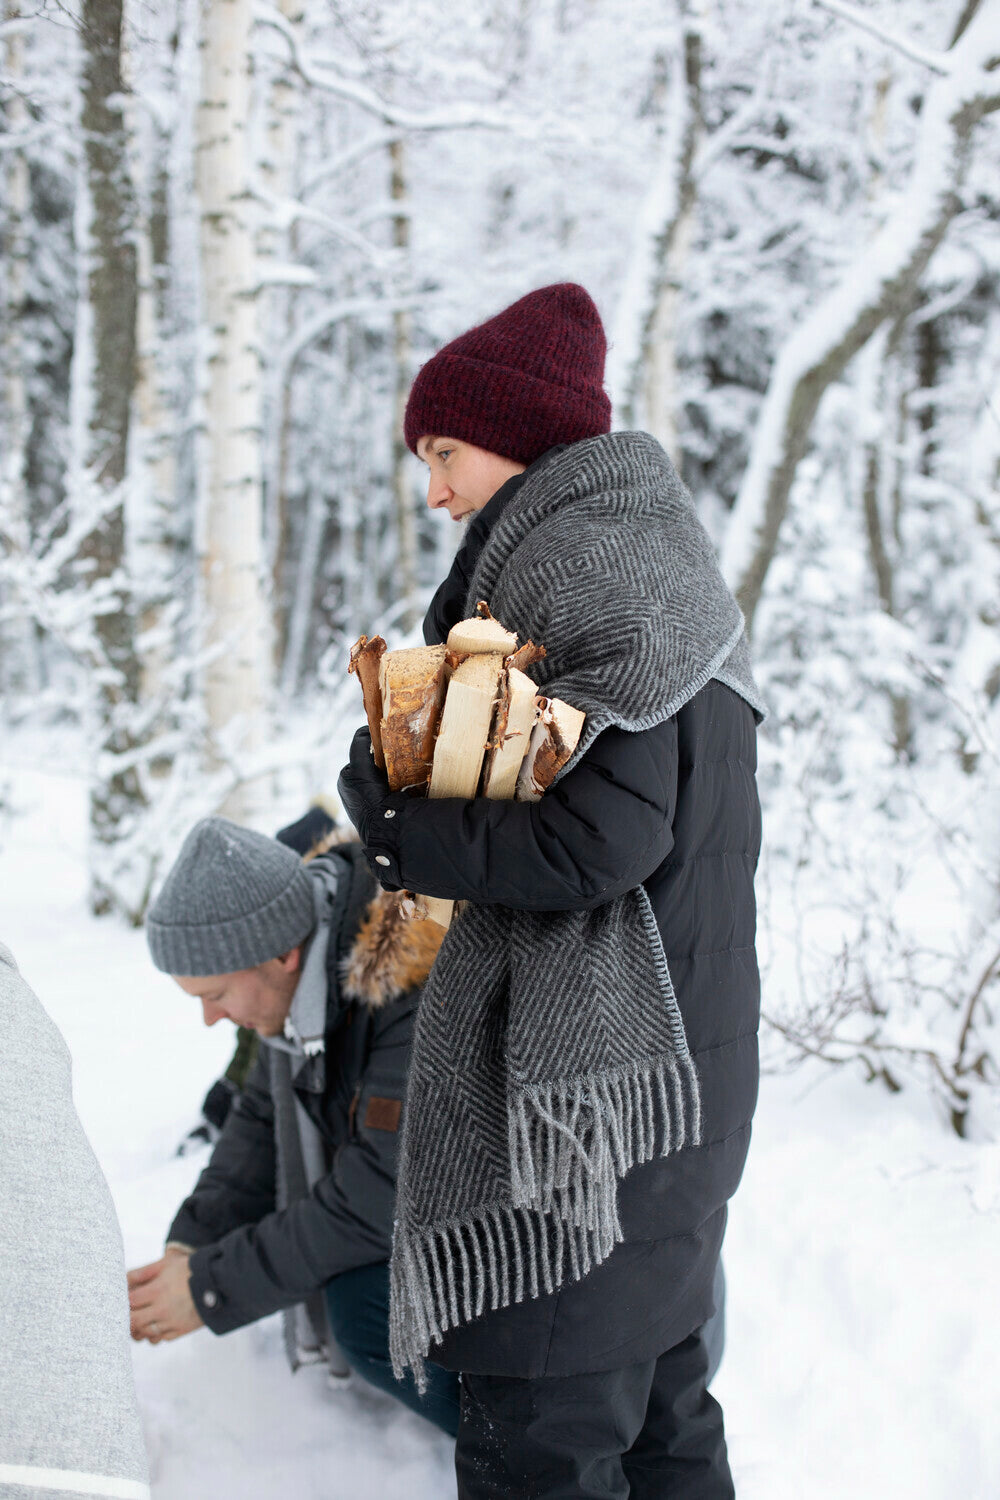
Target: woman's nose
(438,493)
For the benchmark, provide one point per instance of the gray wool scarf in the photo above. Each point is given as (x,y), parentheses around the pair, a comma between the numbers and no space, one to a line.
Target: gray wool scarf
(300,1151)
(549,1055)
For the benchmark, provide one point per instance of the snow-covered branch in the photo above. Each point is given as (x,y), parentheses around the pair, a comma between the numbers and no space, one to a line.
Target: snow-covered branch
(21,140)
(379,140)
(287,211)
(458,117)
(336,312)
(279,274)
(880,283)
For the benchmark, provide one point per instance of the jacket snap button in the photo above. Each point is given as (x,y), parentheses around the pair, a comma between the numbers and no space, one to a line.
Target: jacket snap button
(391,813)
(209,1298)
(381,859)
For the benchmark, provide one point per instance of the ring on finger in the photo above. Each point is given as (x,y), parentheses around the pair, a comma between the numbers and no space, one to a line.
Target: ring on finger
(154,1329)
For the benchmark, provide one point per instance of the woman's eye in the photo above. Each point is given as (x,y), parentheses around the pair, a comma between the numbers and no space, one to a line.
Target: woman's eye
(445,453)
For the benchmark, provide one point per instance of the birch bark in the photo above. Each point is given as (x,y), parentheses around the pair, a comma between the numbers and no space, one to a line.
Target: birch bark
(103,381)
(151,504)
(878,285)
(14,519)
(230,531)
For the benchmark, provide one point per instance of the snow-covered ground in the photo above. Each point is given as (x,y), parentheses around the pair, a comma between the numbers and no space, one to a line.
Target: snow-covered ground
(862,1253)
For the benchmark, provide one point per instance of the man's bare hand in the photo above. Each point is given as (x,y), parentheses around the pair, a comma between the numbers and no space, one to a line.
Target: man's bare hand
(159,1297)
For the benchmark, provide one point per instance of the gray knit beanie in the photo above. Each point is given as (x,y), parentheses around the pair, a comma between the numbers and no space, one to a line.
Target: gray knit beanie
(233,899)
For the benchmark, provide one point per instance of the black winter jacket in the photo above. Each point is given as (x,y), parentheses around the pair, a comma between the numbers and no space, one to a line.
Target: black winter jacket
(251,1259)
(674,807)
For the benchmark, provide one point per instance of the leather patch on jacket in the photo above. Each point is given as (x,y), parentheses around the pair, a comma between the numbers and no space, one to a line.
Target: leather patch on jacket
(383,1114)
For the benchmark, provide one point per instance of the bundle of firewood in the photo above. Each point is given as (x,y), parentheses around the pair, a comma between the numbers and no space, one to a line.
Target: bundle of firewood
(464,719)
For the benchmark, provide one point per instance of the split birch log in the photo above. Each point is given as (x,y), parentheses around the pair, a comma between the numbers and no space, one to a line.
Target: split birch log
(481,636)
(465,725)
(493,733)
(554,738)
(461,742)
(515,718)
(412,685)
(366,657)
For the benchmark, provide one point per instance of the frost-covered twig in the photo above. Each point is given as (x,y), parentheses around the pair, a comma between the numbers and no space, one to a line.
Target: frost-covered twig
(936,61)
(722,140)
(989,973)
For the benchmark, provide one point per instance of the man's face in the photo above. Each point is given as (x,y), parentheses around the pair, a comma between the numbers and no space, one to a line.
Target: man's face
(259,998)
(463,478)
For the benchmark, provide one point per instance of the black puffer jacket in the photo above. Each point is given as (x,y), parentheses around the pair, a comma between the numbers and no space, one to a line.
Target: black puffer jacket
(676,808)
(251,1259)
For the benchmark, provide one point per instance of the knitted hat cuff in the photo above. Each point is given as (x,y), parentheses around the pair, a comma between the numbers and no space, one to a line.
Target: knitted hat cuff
(223,947)
(485,406)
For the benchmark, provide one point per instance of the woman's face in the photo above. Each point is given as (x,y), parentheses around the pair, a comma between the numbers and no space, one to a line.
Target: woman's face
(463,478)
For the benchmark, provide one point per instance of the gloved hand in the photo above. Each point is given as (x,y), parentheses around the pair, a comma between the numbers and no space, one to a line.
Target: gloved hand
(364,790)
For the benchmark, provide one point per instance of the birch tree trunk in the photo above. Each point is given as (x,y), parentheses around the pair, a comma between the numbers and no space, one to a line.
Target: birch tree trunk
(880,482)
(406,530)
(662,395)
(642,372)
(275,243)
(978,662)
(151,505)
(151,548)
(878,285)
(14,509)
(103,381)
(230,530)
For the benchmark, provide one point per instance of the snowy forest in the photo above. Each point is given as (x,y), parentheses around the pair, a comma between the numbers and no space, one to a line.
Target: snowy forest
(232,232)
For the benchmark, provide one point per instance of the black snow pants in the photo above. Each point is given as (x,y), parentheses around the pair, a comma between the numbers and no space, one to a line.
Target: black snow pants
(649,1430)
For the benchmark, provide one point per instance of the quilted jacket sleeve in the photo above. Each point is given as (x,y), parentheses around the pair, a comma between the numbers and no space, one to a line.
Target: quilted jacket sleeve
(237,1186)
(254,1259)
(599,832)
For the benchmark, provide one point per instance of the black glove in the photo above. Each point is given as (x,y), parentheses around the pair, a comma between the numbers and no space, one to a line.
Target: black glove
(372,808)
(363,789)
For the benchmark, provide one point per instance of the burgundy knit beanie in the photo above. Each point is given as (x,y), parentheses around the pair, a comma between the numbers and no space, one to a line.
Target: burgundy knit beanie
(518,384)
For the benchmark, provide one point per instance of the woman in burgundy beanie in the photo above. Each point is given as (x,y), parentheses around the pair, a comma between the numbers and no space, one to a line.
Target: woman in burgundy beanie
(584,1067)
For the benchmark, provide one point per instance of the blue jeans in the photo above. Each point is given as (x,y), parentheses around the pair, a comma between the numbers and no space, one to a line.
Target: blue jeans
(358,1306)
(357,1303)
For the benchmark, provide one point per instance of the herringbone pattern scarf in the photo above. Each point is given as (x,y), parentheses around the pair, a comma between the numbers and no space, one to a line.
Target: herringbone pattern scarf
(549,1055)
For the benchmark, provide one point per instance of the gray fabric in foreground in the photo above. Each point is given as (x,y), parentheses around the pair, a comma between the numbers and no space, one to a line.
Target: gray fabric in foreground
(549,1056)
(300,1151)
(68,1410)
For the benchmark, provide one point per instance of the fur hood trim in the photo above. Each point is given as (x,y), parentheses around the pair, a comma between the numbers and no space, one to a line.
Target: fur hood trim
(332,840)
(392,953)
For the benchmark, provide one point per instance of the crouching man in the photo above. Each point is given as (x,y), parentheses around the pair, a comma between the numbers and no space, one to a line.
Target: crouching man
(295,1208)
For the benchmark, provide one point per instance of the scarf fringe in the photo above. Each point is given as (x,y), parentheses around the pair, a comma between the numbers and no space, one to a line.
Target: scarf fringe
(570,1143)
